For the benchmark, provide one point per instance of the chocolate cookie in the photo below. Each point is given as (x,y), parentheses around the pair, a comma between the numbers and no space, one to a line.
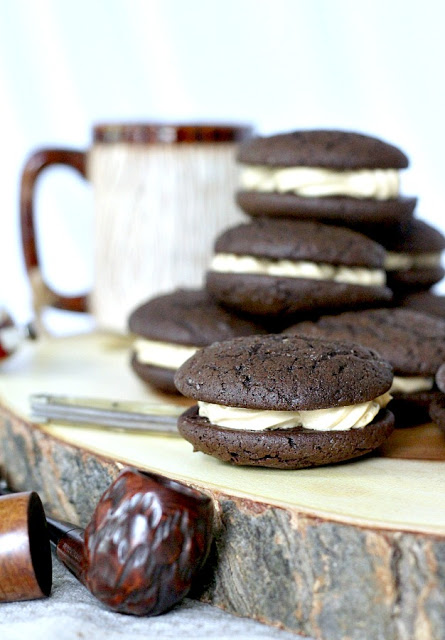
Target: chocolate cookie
(285,401)
(437,411)
(413,254)
(170,328)
(323,174)
(283,267)
(414,344)
(437,406)
(424,301)
(440,378)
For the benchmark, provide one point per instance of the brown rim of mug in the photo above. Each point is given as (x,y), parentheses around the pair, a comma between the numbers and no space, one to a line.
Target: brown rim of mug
(166,133)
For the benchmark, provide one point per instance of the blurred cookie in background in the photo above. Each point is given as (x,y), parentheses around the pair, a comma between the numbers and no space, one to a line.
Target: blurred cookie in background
(412,342)
(169,329)
(424,301)
(414,252)
(437,407)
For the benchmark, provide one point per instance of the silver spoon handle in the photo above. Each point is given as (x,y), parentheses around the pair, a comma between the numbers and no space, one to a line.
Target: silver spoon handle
(111,414)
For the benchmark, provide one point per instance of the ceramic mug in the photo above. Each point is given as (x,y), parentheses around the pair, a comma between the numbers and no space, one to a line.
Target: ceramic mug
(162,193)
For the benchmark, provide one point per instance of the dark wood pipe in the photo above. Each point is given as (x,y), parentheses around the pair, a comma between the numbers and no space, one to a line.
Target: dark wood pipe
(147,539)
(68,541)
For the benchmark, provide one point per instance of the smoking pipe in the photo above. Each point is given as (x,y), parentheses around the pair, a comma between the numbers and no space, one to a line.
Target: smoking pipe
(25,554)
(147,539)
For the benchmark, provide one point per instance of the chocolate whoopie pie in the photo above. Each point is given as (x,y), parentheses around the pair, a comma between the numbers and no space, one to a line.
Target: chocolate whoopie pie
(440,378)
(170,328)
(413,342)
(413,254)
(285,401)
(437,406)
(437,411)
(281,267)
(323,174)
(425,301)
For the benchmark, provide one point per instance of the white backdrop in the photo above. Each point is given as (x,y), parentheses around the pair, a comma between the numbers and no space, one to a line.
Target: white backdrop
(375,66)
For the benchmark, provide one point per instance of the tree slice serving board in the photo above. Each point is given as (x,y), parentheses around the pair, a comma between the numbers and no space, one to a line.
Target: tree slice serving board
(355,550)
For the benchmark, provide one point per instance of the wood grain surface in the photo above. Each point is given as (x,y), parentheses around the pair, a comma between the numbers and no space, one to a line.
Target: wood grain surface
(350,551)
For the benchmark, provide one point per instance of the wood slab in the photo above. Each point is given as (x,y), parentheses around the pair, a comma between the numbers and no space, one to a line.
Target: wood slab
(354,550)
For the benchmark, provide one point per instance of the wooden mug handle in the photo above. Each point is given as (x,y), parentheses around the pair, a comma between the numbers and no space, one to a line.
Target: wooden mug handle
(43,295)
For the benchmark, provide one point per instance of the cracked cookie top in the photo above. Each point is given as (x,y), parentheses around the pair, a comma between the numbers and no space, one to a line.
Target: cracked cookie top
(284,373)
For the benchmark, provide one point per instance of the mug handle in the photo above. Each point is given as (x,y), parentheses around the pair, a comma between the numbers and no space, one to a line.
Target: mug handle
(42,294)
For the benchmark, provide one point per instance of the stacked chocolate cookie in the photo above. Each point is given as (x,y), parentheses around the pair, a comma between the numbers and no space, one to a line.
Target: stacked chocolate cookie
(334,176)
(278,269)
(347,179)
(288,261)
(317,179)
(331,233)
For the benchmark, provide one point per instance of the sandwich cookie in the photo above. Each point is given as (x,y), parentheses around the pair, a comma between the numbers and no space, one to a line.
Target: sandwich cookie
(281,267)
(424,301)
(285,401)
(440,378)
(437,407)
(170,328)
(413,254)
(323,174)
(413,342)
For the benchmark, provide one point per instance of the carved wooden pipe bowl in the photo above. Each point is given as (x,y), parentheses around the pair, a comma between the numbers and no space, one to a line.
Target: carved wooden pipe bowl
(146,541)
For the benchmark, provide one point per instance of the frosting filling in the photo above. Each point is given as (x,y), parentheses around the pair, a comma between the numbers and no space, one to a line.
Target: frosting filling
(404,261)
(334,419)
(380,184)
(162,354)
(411,384)
(231,263)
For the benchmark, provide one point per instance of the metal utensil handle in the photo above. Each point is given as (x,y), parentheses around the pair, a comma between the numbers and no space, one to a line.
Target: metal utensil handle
(138,416)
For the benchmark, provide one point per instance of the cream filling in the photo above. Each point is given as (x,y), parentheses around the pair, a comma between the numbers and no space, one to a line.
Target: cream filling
(380,184)
(231,263)
(403,261)
(334,419)
(411,384)
(162,354)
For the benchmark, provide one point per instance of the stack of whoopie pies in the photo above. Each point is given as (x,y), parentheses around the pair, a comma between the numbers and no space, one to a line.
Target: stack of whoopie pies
(317,198)
(330,242)
(347,179)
